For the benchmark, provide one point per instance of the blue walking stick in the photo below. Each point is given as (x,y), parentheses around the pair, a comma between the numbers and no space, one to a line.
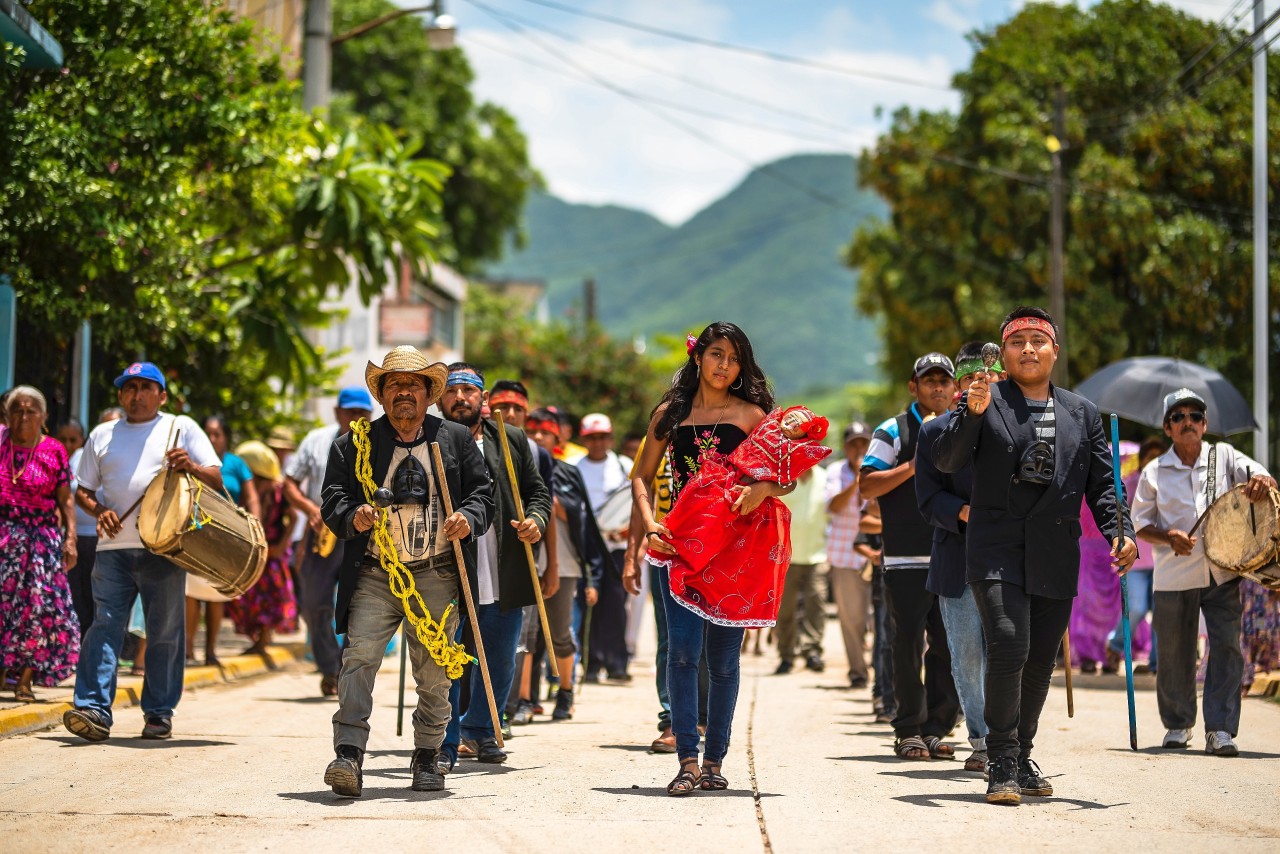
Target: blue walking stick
(1124,583)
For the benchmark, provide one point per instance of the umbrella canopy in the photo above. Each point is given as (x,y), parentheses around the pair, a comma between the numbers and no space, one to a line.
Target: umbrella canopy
(1135,389)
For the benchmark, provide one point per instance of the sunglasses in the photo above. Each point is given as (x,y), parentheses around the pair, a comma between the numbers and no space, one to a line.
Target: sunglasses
(1196,417)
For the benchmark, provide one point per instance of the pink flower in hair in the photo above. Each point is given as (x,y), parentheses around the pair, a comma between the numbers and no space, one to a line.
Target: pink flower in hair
(690,342)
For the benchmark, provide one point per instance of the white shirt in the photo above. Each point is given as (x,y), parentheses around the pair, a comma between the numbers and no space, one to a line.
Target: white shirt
(86,525)
(308,463)
(603,477)
(121,459)
(1171,494)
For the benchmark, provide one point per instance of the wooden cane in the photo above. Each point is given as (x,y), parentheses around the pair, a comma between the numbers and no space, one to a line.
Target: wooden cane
(1124,583)
(528,549)
(404,644)
(464,581)
(1066,658)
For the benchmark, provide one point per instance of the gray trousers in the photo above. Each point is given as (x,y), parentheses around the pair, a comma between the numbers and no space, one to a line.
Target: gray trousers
(374,617)
(1176,623)
(853,605)
(801,604)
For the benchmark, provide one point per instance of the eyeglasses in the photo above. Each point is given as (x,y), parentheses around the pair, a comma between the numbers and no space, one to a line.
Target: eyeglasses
(1196,417)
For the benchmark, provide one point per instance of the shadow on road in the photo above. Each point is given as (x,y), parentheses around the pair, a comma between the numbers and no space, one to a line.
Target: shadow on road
(886,757)
(981,798)
(326,798)
(633,748)
(660,791)
(949,775)
(1165,751)
(137,743)
(305,701)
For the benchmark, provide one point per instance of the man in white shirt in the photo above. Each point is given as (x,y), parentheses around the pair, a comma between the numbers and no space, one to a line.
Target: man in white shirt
(120,460)
(607,475)
(1172,493)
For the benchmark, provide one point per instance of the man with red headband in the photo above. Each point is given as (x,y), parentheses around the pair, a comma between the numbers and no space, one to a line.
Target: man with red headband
(1035,450)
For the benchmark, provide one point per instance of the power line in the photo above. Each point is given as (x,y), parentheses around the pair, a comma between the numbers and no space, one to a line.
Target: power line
(775,56)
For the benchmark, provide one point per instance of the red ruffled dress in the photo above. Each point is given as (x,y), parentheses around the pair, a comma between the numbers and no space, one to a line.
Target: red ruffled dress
(730,568)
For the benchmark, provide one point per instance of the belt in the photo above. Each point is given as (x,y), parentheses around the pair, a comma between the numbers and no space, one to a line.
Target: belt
(440,561)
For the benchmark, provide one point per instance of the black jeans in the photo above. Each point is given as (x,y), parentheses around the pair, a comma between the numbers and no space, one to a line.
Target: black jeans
(931,707)
(881,658)
(1023,634)
(608,649)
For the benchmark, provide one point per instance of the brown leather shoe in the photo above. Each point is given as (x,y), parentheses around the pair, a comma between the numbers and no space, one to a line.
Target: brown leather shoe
(665,743)
(329,685)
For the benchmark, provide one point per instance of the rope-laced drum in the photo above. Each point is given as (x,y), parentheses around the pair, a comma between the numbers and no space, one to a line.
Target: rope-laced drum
(1243,536)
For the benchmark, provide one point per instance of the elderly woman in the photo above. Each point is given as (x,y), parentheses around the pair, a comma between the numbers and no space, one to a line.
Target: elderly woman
(39,633)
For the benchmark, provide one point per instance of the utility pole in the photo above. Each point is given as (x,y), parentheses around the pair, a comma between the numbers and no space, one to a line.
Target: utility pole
(317,30)
(589,301)
(1261,332)
(1057,295)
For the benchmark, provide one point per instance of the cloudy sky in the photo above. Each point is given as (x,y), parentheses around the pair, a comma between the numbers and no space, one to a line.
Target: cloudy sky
(619,115)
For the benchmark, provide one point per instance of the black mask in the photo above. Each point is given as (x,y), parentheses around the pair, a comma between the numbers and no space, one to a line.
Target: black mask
(1036,465)
(410,482)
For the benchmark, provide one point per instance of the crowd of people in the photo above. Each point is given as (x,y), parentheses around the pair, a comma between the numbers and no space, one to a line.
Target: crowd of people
(958,541)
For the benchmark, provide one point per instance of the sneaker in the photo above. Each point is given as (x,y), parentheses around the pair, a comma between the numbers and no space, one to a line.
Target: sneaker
(329,685)
(343,774)
(977,761)
(815,663)
(157,727)
(506,726)
(490,752)
(1177,738)
(1030,780)
(86,723)
(564,706)
(425,770)
(524,713)
(1002,782)
(1219,743)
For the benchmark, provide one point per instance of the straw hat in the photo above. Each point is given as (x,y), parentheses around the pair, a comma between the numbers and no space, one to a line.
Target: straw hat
(281,438)
(260,459)
(407,360)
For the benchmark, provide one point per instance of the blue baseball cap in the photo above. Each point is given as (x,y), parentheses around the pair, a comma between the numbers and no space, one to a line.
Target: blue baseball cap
(354,397)
(141,371)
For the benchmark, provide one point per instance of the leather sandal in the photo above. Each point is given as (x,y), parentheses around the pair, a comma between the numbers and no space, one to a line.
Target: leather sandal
(912,747)
(937,749)
(685,782)
(712,779)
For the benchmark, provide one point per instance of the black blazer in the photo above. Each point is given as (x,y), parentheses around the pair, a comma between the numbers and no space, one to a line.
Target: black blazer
(1021,532)
(940,496)
(342,494)
(584,532)
(515,582)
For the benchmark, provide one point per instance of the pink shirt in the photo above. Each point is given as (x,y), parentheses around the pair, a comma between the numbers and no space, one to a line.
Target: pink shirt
(38,480)
(844,525)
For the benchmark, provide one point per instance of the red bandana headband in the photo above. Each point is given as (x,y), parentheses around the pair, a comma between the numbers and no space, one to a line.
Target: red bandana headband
(1034,323)
(549,426)
(508,396)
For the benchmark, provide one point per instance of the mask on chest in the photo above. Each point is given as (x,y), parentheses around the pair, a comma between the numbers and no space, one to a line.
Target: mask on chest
(409,484)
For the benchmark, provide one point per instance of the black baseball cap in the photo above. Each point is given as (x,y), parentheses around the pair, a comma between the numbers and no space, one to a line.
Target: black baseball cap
(933,362)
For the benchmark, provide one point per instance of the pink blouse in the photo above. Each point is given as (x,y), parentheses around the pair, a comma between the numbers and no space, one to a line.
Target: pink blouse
(30,477)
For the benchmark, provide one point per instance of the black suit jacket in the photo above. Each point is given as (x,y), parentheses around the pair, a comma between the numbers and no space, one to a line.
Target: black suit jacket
(464,472)
(584,532)
(940,496)
(1021,532)
(515,582)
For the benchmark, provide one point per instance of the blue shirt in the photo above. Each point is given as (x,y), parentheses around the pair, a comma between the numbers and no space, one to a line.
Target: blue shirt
(235,472)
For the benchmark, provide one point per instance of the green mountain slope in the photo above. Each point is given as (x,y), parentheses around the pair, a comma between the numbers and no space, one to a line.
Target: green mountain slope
(765,256)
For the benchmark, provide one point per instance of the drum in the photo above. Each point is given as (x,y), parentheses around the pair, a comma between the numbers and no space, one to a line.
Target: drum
(202,532)
(615,513)
(1243,536)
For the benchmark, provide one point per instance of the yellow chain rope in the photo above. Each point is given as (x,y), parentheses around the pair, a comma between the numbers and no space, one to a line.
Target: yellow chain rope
(448,654)
(199,518)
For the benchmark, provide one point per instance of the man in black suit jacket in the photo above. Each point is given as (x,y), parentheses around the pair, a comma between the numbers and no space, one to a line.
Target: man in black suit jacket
(1036,451)
(399,453)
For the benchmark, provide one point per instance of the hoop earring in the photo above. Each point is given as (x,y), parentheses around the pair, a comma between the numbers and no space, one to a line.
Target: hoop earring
(738,387)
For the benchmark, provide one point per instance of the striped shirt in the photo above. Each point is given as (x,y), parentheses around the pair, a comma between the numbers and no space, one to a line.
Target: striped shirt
(1043,419)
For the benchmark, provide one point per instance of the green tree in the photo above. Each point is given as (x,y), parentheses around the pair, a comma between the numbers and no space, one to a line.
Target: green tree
(390,75)
(1158,249)
(166,187)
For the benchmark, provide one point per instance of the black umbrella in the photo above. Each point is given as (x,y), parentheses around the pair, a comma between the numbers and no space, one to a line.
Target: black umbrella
(1135,389)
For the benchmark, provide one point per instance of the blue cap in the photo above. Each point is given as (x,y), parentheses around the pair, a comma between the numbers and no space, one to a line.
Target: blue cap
(141,371)
(355,397)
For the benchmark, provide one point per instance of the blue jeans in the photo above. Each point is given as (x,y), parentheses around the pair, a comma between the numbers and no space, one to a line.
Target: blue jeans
(687,636)
(500,633)
(119,575)
(658,589)
(968,661)
(1140,603)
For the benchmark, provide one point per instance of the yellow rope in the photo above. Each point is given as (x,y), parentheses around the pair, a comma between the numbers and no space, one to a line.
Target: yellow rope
(196,512)
(448,654)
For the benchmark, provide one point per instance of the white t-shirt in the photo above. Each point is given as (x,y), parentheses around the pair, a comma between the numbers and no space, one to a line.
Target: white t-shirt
(121,459)
(308,464)
(603,477)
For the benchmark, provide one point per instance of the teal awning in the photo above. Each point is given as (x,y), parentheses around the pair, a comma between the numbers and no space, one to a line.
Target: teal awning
(18,27)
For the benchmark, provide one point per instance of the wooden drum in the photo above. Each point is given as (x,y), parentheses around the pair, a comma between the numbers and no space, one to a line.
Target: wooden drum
(1243,536)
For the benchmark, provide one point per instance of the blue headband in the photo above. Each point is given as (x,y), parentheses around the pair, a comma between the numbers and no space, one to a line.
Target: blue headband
(465,378)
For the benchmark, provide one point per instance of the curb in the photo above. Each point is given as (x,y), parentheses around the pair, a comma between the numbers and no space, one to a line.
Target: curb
(48,713)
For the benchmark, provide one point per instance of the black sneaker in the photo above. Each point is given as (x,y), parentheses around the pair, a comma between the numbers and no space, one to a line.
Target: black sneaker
(1002,781)
(489,751)
(815,663)
(564,706)
(524,713)
(425,768)
(784,667)
(86,723)
(1030,780)
(157,727)
(343,774)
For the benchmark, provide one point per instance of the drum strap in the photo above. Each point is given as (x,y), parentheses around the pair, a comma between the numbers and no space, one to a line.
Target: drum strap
(1210,488)
(431,633)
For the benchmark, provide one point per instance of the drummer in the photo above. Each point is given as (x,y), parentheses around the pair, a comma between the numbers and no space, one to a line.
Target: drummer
(1173,491)
(120,460)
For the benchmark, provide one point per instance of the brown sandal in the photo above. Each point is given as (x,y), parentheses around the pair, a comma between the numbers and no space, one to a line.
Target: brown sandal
(712,779)
(912,747)
(937,749)
(685,782)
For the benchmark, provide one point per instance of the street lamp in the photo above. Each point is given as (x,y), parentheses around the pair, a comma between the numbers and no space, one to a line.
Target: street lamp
(440,32)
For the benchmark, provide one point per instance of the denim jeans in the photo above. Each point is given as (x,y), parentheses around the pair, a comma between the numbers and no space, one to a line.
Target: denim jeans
(1140,604)
(968,661)
(500,633)
(120,575)
(1177,622)
(658,589)
(319,578)
(688,635)
(1023,633)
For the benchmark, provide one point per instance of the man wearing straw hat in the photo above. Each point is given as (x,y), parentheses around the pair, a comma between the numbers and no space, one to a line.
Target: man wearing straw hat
(390,463)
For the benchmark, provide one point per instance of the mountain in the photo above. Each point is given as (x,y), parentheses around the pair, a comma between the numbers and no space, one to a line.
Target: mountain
(765,256)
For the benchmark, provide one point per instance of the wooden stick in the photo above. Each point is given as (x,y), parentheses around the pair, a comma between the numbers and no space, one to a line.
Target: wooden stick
(1066,657)
(528,549)
(464,581)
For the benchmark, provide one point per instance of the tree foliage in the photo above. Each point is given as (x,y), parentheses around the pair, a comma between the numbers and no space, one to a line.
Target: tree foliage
(390,75)
(1158,251)
(166,187)
(579,369)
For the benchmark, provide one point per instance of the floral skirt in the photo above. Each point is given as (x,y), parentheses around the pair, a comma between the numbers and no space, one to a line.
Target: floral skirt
(268,604)
(38,625)
(1259,629)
